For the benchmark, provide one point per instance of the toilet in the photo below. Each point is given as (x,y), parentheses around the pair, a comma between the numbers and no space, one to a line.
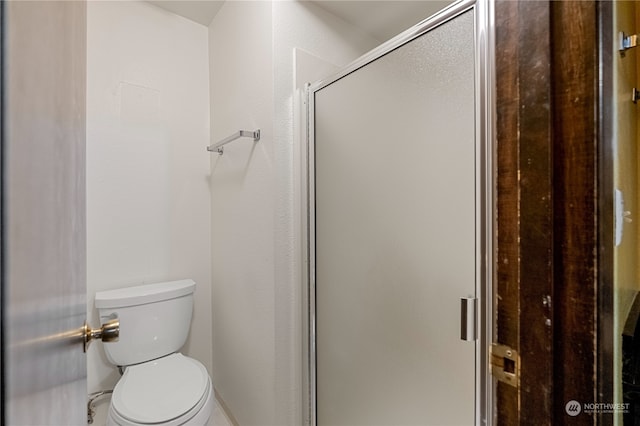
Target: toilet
(159,385)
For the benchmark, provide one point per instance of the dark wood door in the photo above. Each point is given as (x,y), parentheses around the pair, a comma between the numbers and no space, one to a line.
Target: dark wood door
(547,274)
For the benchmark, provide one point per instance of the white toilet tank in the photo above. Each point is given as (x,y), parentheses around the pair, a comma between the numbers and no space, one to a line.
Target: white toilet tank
(154,319)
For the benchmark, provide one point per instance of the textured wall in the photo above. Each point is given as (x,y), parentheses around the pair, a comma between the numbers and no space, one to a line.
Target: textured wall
(148,207)
(321,38)
(242,212)
(256,205)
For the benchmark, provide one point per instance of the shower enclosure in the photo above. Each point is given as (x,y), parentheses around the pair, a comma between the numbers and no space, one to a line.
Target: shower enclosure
(400,227)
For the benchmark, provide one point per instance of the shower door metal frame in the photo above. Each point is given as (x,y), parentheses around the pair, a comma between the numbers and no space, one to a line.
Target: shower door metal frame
(484,199)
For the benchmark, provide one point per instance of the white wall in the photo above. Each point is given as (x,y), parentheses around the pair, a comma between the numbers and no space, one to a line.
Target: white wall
(148,197)
(256,240)
(242,209)
(298,28)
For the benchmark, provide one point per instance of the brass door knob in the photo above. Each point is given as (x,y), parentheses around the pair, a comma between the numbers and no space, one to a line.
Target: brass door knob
(109,332)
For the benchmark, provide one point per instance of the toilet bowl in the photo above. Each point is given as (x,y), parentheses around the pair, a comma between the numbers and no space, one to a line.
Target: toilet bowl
(173,390)
(159,385)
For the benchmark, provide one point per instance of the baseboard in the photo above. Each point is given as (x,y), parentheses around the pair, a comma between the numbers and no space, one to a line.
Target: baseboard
(225,408)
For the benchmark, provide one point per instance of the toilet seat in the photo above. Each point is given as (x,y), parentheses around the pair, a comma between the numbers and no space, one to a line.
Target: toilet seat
(169,390)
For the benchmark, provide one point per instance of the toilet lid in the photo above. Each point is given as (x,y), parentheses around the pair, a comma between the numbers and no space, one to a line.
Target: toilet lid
(160,390)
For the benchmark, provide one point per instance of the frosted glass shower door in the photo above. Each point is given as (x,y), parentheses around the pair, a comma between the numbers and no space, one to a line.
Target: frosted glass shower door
(394,180)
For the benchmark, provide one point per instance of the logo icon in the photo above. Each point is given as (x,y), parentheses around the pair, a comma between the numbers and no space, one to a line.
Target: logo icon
(573,408)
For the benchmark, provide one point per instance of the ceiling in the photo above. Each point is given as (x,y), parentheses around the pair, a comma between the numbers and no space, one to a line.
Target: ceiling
(380,19)
(201,12)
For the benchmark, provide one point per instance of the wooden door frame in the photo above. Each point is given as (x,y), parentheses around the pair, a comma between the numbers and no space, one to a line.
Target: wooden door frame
(548,147)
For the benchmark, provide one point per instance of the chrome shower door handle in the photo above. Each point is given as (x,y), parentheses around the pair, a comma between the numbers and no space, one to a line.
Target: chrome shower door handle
(108,332)
(468,326)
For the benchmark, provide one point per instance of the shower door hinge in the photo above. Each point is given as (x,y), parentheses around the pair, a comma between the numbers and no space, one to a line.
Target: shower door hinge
(505,364)
(626,42)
